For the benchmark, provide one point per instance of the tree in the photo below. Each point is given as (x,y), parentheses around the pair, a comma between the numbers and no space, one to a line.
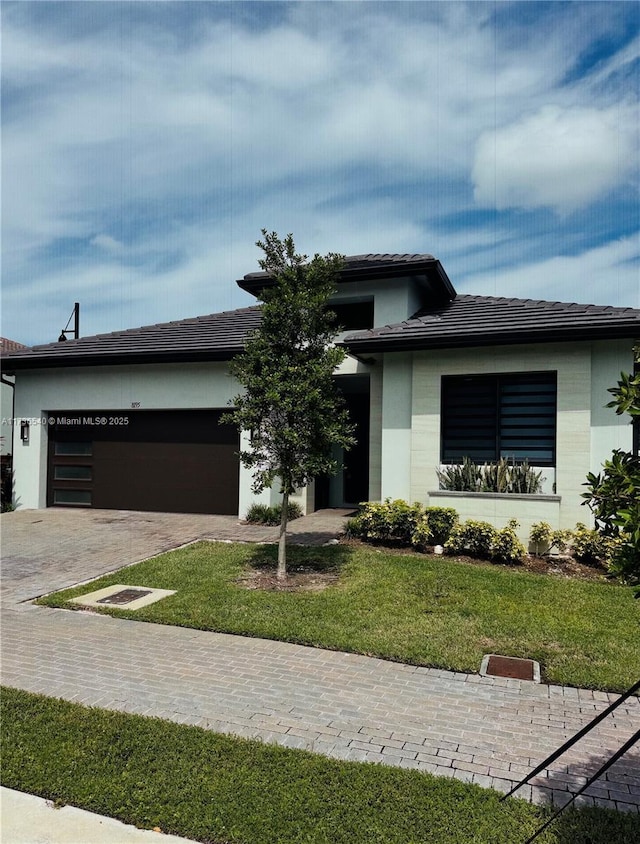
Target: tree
(290,405)
(614,494)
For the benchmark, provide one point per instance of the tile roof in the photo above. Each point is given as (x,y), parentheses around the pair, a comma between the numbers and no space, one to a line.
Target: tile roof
(10,345)
(466,321)
(426,270)
(205,338)
(490,320)
(370,260)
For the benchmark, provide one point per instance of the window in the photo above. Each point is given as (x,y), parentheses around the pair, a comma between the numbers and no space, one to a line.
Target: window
(353,316)
(72,473)
(81,497)
(485,417)
(71,449)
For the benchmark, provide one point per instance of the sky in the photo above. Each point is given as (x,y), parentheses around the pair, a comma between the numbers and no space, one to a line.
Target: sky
(146,144)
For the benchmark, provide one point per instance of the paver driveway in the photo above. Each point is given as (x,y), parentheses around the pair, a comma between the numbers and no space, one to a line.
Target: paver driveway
(486,730)
(47,550)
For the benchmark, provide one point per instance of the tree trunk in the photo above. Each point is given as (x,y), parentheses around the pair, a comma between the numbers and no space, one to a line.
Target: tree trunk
(282,539)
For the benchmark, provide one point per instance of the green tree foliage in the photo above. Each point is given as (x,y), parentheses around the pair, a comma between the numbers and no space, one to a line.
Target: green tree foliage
(614,494)
(290,405)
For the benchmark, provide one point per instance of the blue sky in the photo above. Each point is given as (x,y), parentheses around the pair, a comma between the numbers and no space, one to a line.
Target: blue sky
(145,145)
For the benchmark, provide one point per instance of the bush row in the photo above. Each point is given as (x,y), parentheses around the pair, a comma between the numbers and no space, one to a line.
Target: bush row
(262,514)
(410,525)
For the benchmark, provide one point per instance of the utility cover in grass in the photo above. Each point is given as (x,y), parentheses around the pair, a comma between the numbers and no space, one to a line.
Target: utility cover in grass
(121,595)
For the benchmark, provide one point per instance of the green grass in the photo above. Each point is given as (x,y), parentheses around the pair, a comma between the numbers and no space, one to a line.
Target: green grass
(219,789)
(411,608)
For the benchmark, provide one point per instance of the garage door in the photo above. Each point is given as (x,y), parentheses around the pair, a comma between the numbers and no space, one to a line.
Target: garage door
(164,461)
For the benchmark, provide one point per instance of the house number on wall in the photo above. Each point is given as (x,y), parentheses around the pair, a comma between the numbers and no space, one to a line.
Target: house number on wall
(135,404)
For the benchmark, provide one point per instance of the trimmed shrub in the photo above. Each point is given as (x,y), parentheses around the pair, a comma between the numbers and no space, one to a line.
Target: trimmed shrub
(6,484)
(262,514)
(544,538)
(483,541)
(474,538)
(435,526)
(422,537)
(389,521)
(591,547)
(507,548)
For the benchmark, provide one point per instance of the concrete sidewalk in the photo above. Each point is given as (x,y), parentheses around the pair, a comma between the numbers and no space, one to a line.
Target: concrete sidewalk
(25,819)
(489,731)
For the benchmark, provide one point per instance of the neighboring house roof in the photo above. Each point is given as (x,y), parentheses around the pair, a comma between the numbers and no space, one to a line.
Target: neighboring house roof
(426,270)
(7,346)
(205,338)
(490,320)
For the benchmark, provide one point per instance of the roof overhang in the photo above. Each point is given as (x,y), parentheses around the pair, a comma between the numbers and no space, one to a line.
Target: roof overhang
(378,345)
(51,361)
(427,271)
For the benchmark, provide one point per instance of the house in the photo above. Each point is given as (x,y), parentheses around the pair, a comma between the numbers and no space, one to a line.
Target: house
(6,400)
(130,420)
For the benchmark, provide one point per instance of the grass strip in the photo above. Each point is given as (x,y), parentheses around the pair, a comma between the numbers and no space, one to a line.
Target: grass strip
(409,608)
(224,790)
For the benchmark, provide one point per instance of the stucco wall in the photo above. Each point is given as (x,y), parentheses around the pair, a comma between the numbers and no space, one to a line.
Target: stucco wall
(404,420)
(6,414)
(608,430)
(396,454)
(585,432)
(498,509)
(394,299)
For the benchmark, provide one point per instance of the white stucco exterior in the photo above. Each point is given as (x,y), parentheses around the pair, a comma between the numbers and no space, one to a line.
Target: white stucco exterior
(586,431)
(393,299)
(404,401)
(6,414)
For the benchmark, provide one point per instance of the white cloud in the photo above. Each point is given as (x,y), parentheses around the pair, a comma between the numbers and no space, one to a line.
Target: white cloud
(108,243)
(352,125)
(559,158)
(606,275)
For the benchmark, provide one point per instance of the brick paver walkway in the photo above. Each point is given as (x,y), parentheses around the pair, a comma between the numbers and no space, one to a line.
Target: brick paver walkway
(485,730)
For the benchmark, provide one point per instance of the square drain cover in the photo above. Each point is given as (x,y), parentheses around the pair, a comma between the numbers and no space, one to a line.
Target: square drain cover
(494,665)
(124,596)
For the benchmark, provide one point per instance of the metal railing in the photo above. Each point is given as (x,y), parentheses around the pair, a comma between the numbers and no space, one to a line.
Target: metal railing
(553,756)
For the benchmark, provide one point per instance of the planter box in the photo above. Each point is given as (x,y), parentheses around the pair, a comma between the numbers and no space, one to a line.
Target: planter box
(497,508)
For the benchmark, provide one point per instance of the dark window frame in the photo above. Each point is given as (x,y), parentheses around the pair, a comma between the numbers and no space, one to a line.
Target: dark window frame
(508,414)
(353,316)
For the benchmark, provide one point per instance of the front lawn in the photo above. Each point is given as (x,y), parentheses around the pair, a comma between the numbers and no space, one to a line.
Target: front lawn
(410,608)
(223,790)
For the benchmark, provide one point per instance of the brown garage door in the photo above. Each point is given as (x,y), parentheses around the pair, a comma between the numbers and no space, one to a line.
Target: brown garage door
(166,461)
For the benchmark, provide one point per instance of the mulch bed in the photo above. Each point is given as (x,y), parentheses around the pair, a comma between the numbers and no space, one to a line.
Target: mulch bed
(557,566)
(299,579)
(311,579)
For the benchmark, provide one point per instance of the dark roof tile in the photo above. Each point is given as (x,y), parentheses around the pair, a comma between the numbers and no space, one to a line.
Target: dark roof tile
(466,321)
(212,337)
(491,320)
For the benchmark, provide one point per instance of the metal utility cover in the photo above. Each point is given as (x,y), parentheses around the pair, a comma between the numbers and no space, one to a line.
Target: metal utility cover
(124,596)
(494,665)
